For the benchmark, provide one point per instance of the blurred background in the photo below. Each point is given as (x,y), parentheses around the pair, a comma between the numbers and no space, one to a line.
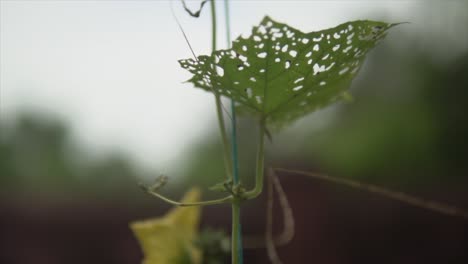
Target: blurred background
(92,101)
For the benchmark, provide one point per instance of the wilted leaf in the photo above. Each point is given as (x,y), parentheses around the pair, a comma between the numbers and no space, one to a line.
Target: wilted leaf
(169,239)
(281,73)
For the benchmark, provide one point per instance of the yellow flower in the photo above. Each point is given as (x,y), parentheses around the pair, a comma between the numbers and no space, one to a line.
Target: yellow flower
(169,239)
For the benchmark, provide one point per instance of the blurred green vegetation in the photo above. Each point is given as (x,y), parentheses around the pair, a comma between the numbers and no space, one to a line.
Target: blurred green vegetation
(417,126)
(37,156)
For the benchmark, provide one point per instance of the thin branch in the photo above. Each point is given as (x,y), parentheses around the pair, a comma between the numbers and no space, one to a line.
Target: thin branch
(269,241)
(288,231)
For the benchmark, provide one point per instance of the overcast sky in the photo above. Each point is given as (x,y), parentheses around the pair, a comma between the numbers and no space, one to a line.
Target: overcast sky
(109,68)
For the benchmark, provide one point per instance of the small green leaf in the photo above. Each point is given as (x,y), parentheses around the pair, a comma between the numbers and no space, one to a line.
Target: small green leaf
(281,74)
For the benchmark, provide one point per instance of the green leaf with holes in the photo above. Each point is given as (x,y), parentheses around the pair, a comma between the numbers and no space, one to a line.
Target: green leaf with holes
(281,74)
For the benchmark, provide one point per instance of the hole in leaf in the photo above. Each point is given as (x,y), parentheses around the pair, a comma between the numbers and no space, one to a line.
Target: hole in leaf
(297,88)
(287,64)
(347,49)
(365,37)
(274,30)
(322,83)
(240,67)
(277,60)
(317,68)
(219,71)
(309,54)
(343,71)
(299,80)
(285,48)
(376,29)
(316,47)
(305,41)
(262,29)
(249,92)
(253,79)
(293,53)
(336,47)
(262,55)
(259,99)
(330,66)
(278,34)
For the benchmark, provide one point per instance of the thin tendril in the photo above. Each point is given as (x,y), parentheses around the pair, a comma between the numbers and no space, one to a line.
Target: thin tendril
(235,160)
(395,195)
(176,203)
(191,49)
(190,12)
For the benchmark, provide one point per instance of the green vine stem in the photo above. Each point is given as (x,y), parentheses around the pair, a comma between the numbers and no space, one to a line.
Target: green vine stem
(222,129)
(237,253)
(219,110)
(236,240)
(230,159)
(257,190)
(235,203)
